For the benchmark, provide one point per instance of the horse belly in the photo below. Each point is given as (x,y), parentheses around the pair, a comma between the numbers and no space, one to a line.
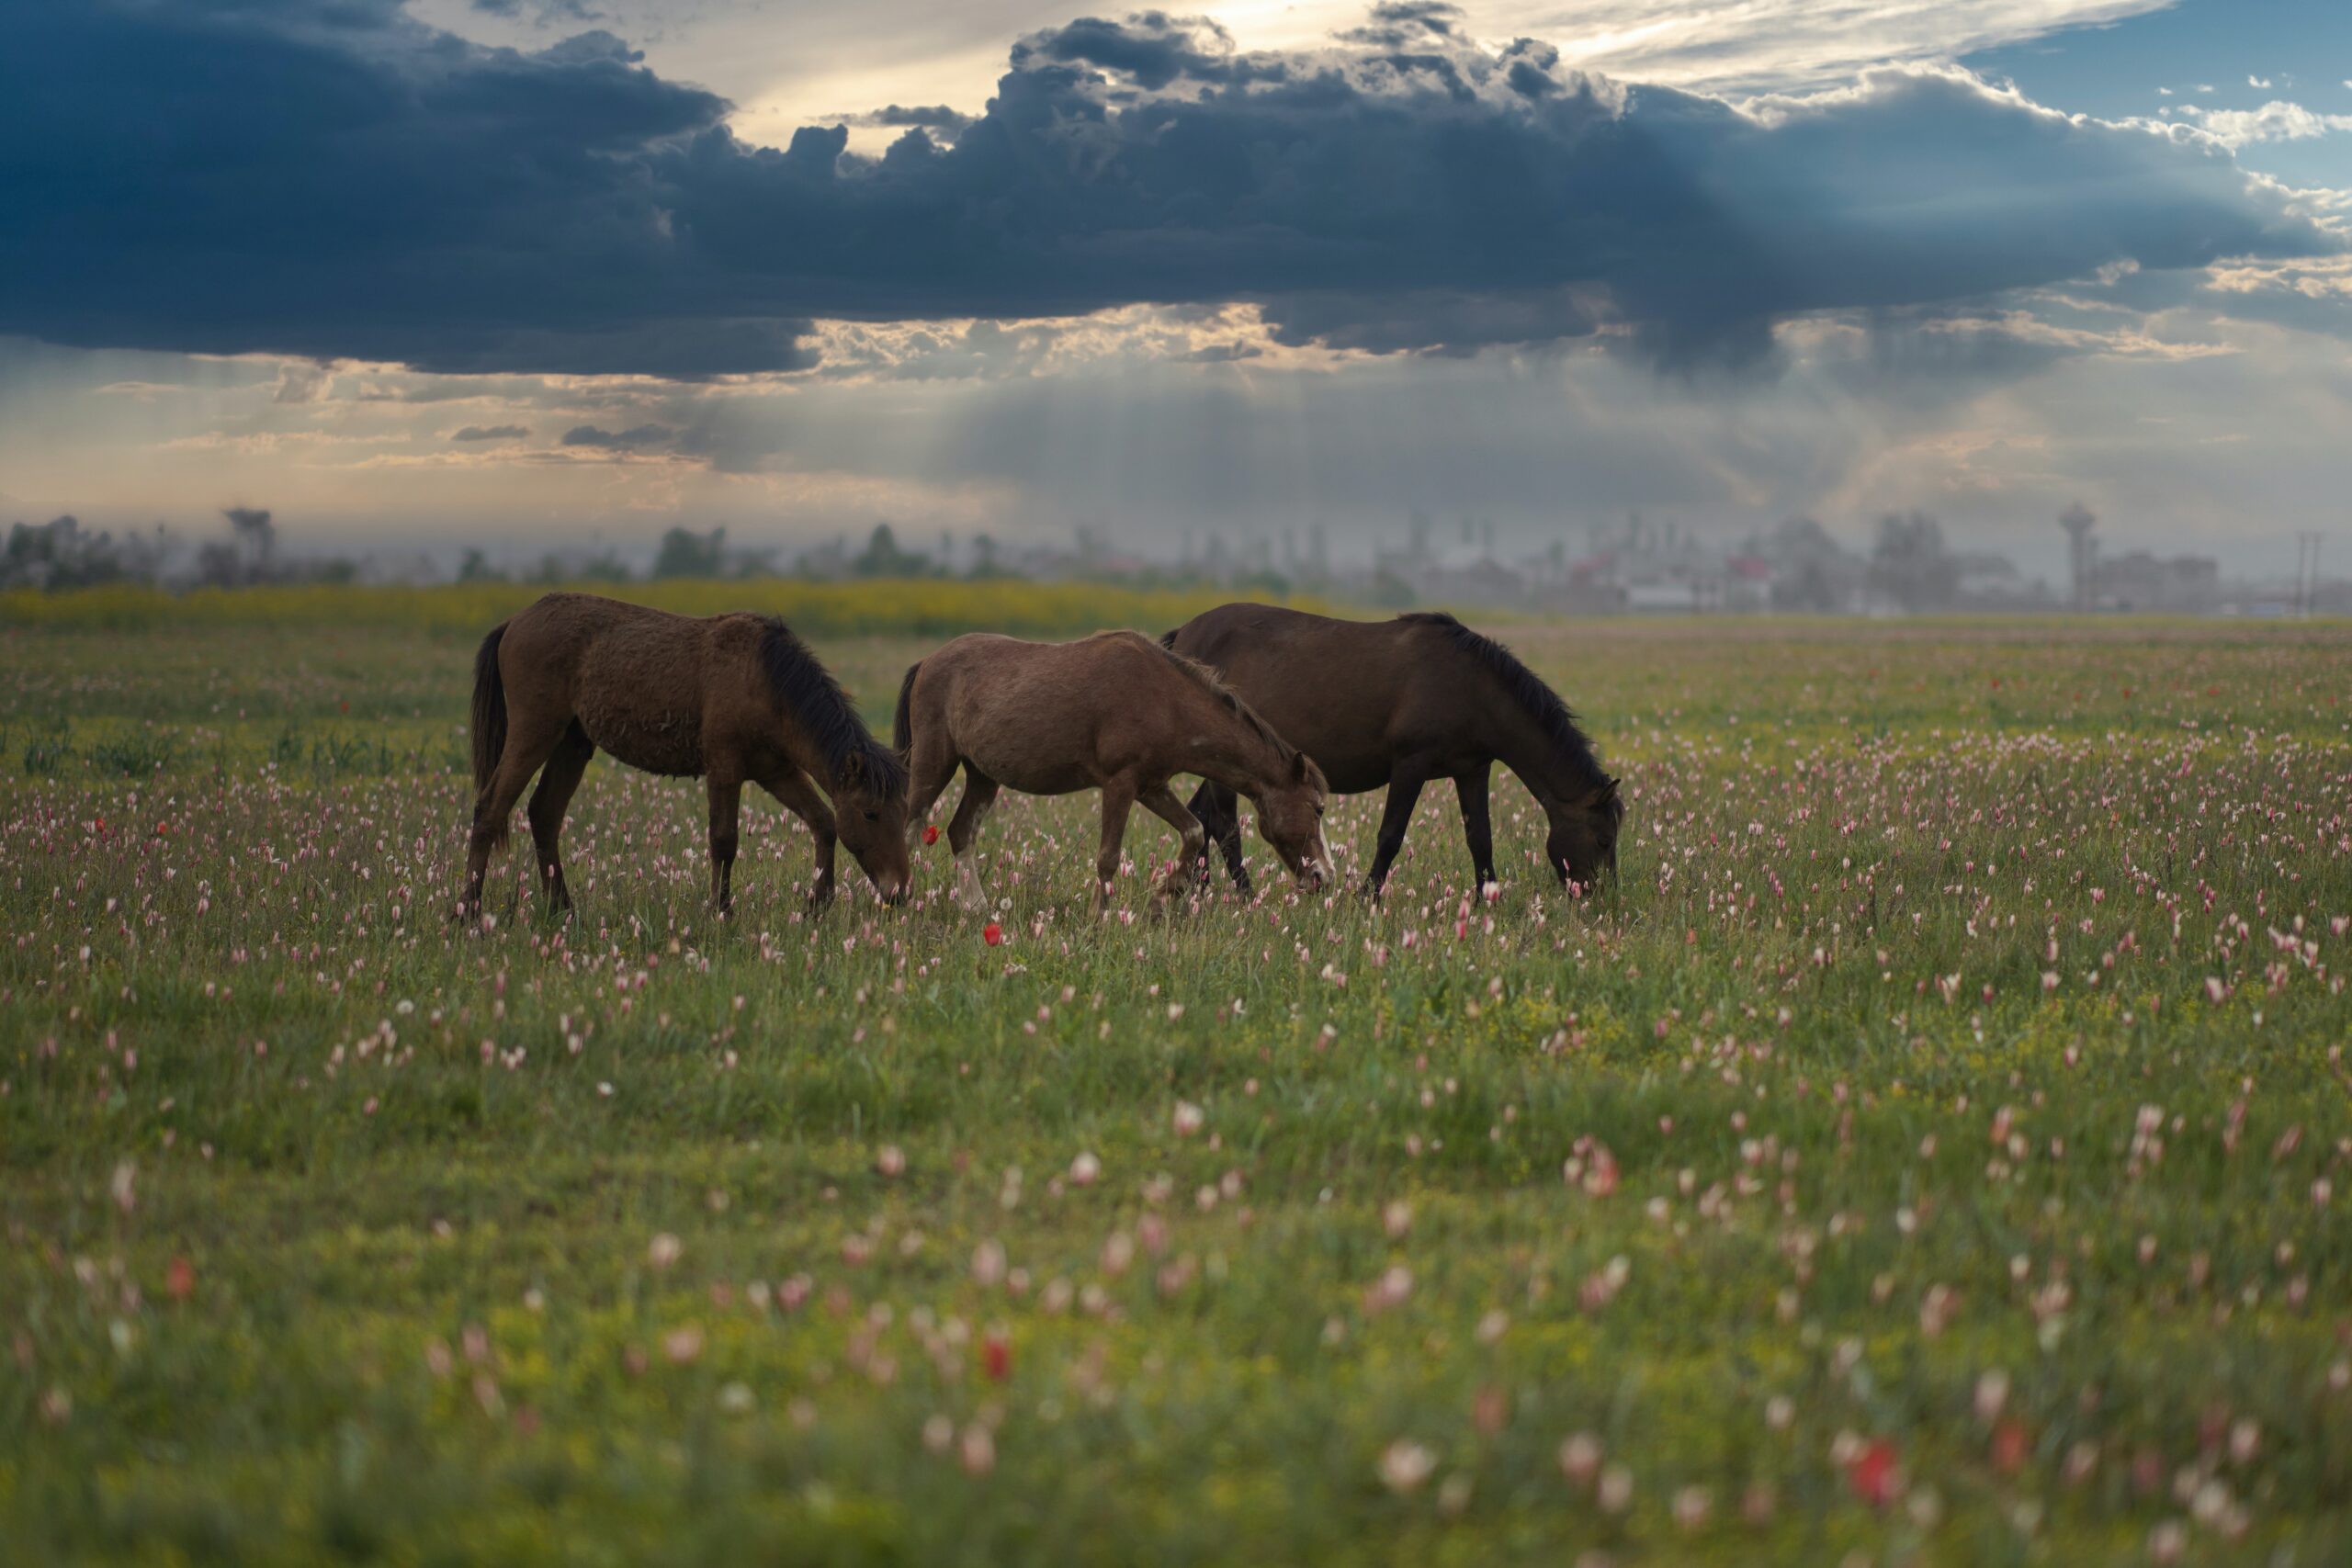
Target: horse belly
(1345,744)
(1033,771)
(1031,734)
(639,727)
(1354,775)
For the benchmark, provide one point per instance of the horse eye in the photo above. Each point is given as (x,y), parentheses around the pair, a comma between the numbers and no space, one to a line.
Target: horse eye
(874,816)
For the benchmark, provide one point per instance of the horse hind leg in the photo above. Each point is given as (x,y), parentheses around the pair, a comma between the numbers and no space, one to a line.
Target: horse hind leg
(980,794)
(1405,784)
(1118,797)
(930,768)
(531,739)
(557,781)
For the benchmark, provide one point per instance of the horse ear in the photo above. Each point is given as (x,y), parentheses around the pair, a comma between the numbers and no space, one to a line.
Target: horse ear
(851,771)
(1298,767)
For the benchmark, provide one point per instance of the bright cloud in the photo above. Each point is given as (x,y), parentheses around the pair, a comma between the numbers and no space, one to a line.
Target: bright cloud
(2274,121)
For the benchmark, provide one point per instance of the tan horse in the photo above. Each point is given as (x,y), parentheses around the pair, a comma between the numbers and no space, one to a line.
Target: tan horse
(730,698)
(1115,712)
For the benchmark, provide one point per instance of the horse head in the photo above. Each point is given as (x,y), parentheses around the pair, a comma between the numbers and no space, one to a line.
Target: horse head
(870,819)
(1290,818)
(1582,844)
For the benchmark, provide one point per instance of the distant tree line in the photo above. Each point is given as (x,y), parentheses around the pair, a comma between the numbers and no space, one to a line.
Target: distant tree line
(1910,566)
(60,554)
(706,554)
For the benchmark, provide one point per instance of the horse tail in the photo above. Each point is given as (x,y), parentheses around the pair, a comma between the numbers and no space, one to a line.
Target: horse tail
(902,722)
(490,709)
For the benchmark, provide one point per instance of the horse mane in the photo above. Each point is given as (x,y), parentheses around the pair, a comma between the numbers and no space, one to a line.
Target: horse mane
(1213,683)
(803,686)
(1525,688)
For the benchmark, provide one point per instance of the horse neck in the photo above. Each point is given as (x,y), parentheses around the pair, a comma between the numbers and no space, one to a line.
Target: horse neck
(800,748)
(1523,746)
(1240,757)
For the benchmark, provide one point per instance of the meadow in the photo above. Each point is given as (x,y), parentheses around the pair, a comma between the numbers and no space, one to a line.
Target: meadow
(1937,1149)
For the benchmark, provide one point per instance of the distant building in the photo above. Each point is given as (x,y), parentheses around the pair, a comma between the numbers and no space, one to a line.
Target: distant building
(1989,582)
(2082,552)
(1808,570)
(2176,584)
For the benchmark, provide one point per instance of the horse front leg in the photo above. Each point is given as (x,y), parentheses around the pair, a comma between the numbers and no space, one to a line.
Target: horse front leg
(726,799)
(797,793)
(1161,801)
(1219,811)
(1477,828)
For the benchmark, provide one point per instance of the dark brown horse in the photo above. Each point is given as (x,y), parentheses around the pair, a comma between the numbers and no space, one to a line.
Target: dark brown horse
(1400,703)
(734,699)
(1115,712)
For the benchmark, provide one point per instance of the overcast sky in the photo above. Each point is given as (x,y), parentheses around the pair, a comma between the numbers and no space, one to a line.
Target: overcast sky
(537,272)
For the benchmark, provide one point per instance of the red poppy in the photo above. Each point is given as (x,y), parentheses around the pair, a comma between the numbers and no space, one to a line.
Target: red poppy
(179,1279)
(992,933)
(1873,1474)
(931,833)
(996,1358)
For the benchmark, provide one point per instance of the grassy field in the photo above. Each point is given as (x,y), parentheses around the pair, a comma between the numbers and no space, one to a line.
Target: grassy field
(1939,1151)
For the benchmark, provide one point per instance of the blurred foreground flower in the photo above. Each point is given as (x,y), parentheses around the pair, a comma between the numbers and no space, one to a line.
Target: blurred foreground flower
(1405,1465)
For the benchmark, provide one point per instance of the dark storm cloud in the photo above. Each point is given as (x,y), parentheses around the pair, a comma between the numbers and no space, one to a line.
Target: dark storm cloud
(545,11)
(931,116)
(1151,49)
(640,438)
(1223,353)
(334,179)
(1403,23)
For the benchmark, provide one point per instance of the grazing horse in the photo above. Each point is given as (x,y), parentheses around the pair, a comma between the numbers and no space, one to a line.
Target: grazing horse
(1399,702)
(731,698)
(1115,712)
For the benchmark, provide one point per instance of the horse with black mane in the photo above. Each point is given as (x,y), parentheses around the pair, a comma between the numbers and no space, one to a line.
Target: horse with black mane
(1400,703)
(733,699)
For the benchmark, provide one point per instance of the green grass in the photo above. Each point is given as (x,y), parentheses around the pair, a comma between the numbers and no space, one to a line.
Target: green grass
(1956,1081)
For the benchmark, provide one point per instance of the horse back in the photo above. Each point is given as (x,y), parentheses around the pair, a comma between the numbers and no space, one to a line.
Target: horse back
(648,687)
(1050,718)
(1354,695)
